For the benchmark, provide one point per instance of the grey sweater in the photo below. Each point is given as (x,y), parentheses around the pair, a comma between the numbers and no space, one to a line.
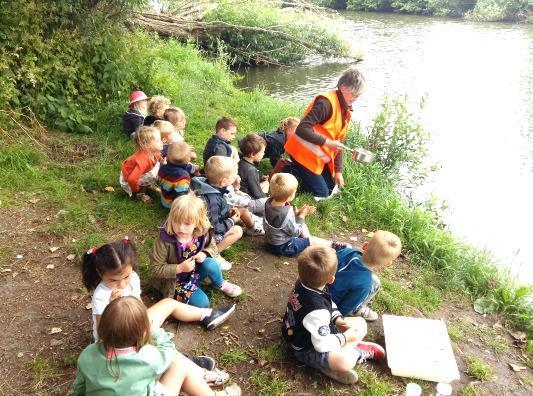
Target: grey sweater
(280,224)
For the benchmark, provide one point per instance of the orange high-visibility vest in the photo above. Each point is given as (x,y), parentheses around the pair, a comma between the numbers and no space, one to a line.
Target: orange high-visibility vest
(312,156)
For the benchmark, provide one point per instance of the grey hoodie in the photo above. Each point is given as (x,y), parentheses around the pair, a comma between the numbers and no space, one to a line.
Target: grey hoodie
(280,224)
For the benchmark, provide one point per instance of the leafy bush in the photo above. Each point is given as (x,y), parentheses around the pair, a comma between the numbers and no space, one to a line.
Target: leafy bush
(369,5)
(450,8)
(499,10)
(268,39)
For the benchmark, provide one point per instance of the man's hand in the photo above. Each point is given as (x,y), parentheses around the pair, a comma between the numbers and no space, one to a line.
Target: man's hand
(339,180)
(334,145)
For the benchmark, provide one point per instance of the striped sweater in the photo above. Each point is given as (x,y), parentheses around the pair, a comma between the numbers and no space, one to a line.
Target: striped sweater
(174,180)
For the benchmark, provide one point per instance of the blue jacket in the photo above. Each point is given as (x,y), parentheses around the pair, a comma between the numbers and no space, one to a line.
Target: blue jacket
(275,145)
(217,207)
(353,281)
(216,146)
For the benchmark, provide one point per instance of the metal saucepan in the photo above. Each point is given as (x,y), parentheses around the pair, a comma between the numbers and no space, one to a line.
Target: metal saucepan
(361,155)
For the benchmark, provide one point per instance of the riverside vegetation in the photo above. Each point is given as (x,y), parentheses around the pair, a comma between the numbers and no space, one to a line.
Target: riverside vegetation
(475,10)
(82,88)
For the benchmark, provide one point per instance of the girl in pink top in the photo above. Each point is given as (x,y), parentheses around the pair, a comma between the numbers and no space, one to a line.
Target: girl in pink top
(139,171)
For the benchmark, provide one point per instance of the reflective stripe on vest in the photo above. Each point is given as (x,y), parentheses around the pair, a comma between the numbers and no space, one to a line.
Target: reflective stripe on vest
(313,157)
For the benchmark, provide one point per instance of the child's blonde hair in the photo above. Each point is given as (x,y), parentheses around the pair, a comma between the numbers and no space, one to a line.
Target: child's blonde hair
(165,128)
(124,323)
(218,167)
(146,135)
(382,249)
(316,265)
(287,123)
(283,186)
(179,153)
(158,104)
(141,105)
(189,209)
(174,115)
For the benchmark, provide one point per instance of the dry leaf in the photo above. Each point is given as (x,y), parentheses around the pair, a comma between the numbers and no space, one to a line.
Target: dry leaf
(34,200)
(344,218)
(353,238)
(88,306)
(54,342)
(225,328)
(516,367)
(62,212)
(50,266)
(71,257)
(286,263)
(519,336)
(92,219)
(6,269)
(53,248)
(20,354)
(370,234)
(55,330)
(364,231)
(109,189)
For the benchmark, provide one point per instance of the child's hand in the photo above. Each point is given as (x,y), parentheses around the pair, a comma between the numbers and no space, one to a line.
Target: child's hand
(309,209)
(351,335)
(237,183)
(115,293)
(200,257)
(265,178)
(342,325)
(186,266)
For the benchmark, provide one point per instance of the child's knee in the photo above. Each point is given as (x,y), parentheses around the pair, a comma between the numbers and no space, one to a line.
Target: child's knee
(236,231)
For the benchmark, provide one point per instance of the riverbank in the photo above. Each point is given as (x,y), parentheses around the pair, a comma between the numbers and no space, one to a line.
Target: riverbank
(54,195)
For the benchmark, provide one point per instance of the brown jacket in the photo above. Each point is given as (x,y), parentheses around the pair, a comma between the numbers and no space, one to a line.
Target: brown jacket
(164,263)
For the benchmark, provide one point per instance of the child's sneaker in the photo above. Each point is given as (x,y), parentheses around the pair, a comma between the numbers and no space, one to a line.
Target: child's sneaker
(338,245)
(225,265)
(144,198)
(205,362)
(344,377)
(367,314)
(218,316)
(370,350)
(230,289)
(256,228)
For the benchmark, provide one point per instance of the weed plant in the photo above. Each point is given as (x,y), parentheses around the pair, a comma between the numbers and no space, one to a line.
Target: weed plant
(479,370)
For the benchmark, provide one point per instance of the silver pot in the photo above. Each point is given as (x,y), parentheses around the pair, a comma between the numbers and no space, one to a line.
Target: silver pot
(362,155)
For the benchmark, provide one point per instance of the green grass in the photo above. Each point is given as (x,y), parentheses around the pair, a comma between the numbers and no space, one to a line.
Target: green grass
(42,370)
(233,356)
(269,384)
(479,370)
(455,333)
(528,353)
(271,353)
(472,390)
(373,384)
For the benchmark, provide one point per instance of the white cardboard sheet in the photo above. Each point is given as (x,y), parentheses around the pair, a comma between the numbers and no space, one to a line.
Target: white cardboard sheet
(419,348)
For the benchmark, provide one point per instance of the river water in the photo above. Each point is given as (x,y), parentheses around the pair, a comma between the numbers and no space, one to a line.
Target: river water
(478,78)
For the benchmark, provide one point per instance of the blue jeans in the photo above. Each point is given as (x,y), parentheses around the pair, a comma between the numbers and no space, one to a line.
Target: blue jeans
(210,269)
(291,248)
(318,185)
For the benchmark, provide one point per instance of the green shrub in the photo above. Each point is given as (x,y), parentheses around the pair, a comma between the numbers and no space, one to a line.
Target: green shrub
(499,10)
(450,8)
(369,5)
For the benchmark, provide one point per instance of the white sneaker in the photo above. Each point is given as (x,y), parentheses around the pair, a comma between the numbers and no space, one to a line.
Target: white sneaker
(367,314)
(230,289)
(344,377)
(225,265)
(256,228)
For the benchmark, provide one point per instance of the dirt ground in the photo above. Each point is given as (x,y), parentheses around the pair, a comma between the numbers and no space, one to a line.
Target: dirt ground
(45,322)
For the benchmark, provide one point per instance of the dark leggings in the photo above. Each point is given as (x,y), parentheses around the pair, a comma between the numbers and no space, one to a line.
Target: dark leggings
(317,185)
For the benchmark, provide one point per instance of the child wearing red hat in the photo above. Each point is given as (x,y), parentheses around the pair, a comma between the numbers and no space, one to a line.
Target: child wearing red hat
(133,118)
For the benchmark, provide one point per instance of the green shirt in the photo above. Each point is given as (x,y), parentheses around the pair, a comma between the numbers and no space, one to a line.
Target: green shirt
(138,369)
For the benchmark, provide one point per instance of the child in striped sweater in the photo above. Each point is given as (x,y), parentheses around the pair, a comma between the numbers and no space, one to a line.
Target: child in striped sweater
(174,177)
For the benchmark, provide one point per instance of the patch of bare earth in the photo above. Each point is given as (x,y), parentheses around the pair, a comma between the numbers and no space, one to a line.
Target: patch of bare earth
(36,298)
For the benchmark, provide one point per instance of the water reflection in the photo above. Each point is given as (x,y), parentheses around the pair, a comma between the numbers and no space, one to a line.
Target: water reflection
(479,82)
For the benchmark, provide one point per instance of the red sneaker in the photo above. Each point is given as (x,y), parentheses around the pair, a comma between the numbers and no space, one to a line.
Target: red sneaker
(371,350)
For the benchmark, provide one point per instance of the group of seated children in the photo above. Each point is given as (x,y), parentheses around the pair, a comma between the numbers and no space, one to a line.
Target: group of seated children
(325,320)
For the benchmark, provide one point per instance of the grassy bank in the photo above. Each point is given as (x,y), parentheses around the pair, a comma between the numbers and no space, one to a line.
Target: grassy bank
(205,91)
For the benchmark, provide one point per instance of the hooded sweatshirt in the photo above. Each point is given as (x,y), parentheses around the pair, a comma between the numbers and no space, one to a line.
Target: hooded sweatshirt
(280,223)
(131,120)
(217,206)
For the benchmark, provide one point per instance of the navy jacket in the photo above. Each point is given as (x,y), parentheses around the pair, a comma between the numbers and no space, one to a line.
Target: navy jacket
(216,146)
(275,145)
(217,207)
(131,120)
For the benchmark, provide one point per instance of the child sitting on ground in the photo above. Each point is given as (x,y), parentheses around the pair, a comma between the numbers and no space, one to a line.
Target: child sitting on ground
(134,357)
(252,148)
(168,135)
(133,118)
(219,143)
(285,231)
(157,106)
(316,331)
(355,282)
(184,255)
(221,173)
(110,271)
(275,141)
(174,177)
(139,171)
(177,118)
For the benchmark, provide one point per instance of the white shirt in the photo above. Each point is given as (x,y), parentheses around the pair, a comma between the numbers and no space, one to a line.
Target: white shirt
(102,293)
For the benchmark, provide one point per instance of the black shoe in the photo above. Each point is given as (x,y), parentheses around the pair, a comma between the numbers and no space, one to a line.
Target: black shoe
(218,316)
(204,362)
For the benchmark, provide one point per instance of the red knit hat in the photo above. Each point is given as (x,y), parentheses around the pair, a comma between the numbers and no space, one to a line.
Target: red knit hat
(136,96)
